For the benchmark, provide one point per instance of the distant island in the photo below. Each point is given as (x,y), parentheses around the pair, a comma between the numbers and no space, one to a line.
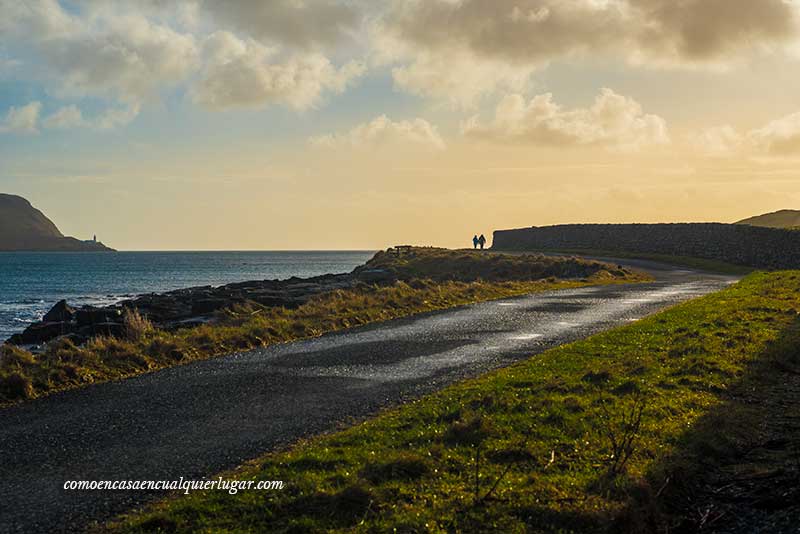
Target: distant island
(24,228)
(777,219)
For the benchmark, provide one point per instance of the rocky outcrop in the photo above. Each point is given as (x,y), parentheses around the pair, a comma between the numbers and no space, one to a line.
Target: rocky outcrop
(24,228)
(187,307)
(765,248)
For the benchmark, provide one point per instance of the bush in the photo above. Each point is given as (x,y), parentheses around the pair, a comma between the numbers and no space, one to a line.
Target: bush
(16,386)
(137,326)
(12,357)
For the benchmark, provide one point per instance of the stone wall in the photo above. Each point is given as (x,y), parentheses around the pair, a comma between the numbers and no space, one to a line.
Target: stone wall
(767,248)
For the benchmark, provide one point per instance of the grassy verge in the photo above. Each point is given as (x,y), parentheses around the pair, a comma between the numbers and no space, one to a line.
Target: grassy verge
(589,437)
(63,365)
(683,261)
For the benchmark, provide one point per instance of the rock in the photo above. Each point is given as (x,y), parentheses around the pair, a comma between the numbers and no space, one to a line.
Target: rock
(88,316)
(16,339)
(42,333)
(374,276)
(204,306)
(103,329)
(186,308)
(61,312)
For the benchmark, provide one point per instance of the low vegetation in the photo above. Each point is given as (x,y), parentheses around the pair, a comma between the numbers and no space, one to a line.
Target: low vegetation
(143,348)
(614,433)
(701,264)
(467,266)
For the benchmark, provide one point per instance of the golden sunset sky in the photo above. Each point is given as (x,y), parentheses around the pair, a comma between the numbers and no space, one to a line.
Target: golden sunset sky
(356,124)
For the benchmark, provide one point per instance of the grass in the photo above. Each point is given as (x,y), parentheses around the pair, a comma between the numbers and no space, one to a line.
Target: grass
(468,265)
(530,448)
(702,264)
(143,348)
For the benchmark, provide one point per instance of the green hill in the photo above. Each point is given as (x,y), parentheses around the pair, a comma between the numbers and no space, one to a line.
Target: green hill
(778,219)
(24,228)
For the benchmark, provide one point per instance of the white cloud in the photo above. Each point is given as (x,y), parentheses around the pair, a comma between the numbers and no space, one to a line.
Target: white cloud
(22,120)
(717,141)
(66,117)
(613,121)
(242,73)
(459,78)
(72,117)
(124,56)
(780,137)
(381,132)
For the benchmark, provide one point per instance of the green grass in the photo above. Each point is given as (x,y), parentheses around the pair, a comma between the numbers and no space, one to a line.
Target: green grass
(461,279)
(537,434)
(702,264)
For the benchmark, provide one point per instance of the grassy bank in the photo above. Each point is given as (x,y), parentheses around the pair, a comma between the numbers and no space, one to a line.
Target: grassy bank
(607,434)
(682,261)
(460,278)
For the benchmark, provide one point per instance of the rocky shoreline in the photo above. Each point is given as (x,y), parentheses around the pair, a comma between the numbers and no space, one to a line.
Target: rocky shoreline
(185,308)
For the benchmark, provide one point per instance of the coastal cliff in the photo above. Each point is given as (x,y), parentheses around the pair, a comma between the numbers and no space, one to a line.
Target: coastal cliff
(24,228)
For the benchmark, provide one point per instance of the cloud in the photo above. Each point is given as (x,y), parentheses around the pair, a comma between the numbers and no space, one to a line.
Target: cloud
(780,137)
(381,132)
(124,56)
(242,73)
(459,78)
(717,141)
(71,116)
(434,42)
(612,121)
(22,120)
(305,24)
(526,31)
(713,30)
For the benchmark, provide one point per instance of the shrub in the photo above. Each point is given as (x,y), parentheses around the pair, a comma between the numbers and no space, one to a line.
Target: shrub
(11,356)
(16,386)
(136,325)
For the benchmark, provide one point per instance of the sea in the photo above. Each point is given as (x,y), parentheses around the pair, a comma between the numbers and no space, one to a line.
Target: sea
(31,282)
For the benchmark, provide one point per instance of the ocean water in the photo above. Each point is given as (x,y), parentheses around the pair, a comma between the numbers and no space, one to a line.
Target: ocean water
(31,282)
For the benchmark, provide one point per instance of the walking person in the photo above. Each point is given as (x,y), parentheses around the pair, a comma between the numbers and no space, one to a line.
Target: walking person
(482,241)
(475,241)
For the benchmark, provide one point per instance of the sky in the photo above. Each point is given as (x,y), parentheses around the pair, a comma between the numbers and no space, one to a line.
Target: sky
(361,124)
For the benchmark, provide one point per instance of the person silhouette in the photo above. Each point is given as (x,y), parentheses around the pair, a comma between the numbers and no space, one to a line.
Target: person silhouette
(475,241)
(482,241)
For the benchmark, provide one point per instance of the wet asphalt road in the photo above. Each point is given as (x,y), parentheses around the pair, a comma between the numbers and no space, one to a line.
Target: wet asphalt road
(198,419)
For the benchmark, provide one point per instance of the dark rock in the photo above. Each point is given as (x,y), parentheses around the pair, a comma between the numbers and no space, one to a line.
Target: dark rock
(376,276)
(204,306)
(42,333)
(61,312)
(88,316)
(102,329)
(186,308)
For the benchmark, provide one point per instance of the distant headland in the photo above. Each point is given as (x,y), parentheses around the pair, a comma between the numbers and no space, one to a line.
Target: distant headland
(24,228)
(777,219)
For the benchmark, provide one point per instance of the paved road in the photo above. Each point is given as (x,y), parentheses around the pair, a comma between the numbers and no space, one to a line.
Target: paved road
(198,419)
